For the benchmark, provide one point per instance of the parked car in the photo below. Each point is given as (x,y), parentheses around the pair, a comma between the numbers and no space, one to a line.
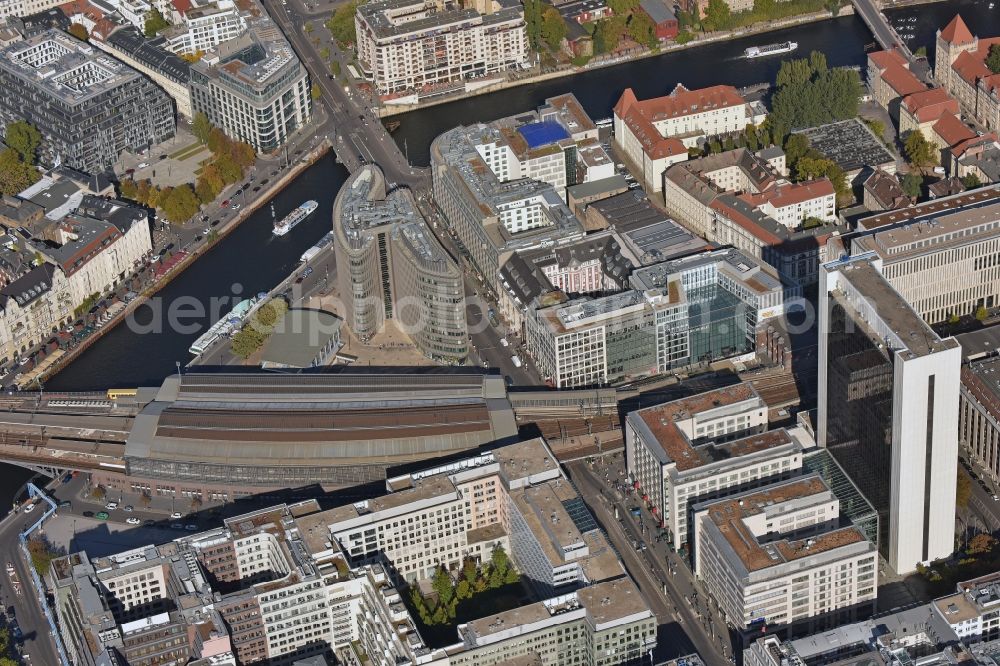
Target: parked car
(29,507)
(191,527)
(64,504)
(142,165)
(128,508)
(102,515)
(175,515)
(132,520)
(111,506)
(176,526)
(88,514)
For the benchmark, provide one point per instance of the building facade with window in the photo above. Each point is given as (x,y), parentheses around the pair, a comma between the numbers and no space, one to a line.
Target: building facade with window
(253,87)
(888,408)
(88,106)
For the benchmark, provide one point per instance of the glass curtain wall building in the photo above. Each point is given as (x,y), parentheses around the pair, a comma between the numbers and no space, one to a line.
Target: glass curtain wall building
(888,408)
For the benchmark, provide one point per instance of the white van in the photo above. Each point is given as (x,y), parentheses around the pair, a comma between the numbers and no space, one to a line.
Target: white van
(516,360)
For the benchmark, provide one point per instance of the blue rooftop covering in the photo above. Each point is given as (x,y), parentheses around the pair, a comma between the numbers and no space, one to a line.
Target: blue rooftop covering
(542,134)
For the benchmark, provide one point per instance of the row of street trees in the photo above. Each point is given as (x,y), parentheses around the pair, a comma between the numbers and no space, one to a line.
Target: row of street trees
(230,160)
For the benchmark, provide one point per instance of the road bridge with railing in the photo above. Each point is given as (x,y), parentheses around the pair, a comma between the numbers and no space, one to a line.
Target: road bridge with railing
(870,12)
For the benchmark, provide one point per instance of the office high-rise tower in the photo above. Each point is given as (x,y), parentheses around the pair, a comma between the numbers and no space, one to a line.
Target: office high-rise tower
(888,408)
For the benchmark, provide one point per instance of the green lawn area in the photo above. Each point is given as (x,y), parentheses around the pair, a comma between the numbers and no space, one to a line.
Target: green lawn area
(183,150)
(189,152)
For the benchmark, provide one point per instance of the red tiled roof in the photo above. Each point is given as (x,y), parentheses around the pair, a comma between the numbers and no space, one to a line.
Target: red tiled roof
(902,80)
(969,67)
(886,59)
(928,105)
(952,130)
(654,145)
(957,32)
(959,148)
(181,5)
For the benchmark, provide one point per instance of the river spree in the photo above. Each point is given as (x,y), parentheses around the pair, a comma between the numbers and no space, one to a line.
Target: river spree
(842,40)
(251,259)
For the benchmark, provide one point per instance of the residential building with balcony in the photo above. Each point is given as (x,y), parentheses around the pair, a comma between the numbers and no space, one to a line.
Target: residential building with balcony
(253,87)
(706,446)
(780,555)
(410,45)
(88,106)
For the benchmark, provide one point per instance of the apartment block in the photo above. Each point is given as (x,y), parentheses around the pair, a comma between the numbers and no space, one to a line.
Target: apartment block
(558,144)
(740,199)
(973,611)
(890,80)
(253,87)
(913,636)
(393,268)
(515,498)
(409,45)
(88,106)
(89,251)
(203,27)
(888,408)
(607,623)
(960,67)
(708,445)
(290,582)
(779,555)
(167,70)
(657,133)
(13,8)
(493,218)
(99,245)
(941,255)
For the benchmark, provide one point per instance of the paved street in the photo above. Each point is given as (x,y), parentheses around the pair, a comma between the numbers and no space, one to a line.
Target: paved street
(687,622)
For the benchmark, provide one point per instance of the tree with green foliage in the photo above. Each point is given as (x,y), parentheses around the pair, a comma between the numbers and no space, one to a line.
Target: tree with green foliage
(808,93)
(714,147)
(912,184)
(981,544)
(315,92)
(920,153)
(553,28)
(717,15)
(42,553)
(201,127)
(324,53)
(982,313)
(622,7)
(15,174)
(155,22)
(307,27)
(533,22)
(971,181)
(963,486)
(921,52)
(750,138)
(25,138)
(642,30)
(683,37)
(341,24)
(79,31)
(204,191)
(127,189)
(335,68)
(180,204)
(608,34)
(993,58)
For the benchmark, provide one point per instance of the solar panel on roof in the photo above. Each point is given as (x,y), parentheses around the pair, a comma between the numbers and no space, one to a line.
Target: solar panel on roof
(542,133)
